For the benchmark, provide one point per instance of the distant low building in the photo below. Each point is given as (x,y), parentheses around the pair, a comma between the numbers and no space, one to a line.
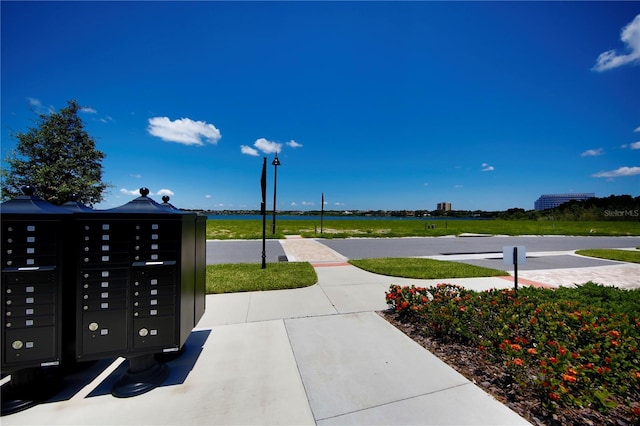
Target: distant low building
(549,201)
(444,206)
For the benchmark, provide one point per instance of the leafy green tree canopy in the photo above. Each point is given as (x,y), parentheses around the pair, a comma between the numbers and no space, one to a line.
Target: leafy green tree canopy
(58,158)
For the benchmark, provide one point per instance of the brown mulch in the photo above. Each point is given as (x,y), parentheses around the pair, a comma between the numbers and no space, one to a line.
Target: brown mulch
(494,379)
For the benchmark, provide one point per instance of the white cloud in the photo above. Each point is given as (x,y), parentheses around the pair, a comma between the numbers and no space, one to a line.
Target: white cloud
(458,186)
(294,204)
(136,175)
(338,204)
(637,129)
(619,172)
(36,106)
(426,184)
(207,196)
(308,203)
(248,150)
(106,119)
(184,131)
(135,192)
(635,145)
(268,147)
(592,152)
(294,144)
(88,110)
(487,168)
(630,36)
(165,192)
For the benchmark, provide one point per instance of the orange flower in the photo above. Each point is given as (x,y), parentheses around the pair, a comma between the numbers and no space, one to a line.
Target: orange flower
(553,360)
(518,362)
(614,333)
(516,347)
(568,378)
(614,343)
(572,371)
(532,351)
(637,375)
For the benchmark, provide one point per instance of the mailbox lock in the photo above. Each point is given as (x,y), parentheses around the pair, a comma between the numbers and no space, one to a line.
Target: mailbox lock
(143,332)
(17,345)
(93,326)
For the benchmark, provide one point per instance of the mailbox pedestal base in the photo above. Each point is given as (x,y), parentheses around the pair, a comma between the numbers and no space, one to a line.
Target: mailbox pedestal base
(30,387)
(143,375)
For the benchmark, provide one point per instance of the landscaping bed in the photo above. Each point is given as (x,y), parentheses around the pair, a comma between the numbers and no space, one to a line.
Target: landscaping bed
(556,357)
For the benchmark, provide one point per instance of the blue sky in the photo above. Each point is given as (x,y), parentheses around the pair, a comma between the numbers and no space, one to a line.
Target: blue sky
(380,105)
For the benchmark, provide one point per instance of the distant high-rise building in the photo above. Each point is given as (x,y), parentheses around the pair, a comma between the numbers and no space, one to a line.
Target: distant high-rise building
(444,206)
(549,201)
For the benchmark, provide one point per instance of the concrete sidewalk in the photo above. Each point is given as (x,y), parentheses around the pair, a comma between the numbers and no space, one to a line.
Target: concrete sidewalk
(316,355)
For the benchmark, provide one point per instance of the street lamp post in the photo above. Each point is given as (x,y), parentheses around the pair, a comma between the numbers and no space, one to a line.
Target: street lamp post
(275,164)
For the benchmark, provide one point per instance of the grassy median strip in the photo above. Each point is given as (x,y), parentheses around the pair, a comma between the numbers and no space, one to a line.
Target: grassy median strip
(612,254)
(238,277)
(424,268)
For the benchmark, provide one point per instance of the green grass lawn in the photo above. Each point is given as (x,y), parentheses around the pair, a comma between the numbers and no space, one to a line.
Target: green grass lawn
(424,268)
(252,229)
(612,254)
(238,277)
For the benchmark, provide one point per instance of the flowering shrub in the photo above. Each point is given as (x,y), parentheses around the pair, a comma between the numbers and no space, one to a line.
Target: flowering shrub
(573,347)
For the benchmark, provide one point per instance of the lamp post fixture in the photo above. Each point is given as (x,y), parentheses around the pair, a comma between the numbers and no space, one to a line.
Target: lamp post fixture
(275,164)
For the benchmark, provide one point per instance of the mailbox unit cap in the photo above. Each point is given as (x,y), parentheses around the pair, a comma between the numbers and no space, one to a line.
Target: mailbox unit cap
(144,204)
(76,206)
(29,203)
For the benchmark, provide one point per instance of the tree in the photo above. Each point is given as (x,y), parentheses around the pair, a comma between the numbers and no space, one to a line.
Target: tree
(58,158)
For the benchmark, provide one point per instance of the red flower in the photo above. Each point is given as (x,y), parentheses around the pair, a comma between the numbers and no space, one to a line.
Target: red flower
(554,396)
(568,378)
(562,350)
(516,347)
(518,362)
(553,360)
(404,304)
(614,343)
(637,375)
(636,411)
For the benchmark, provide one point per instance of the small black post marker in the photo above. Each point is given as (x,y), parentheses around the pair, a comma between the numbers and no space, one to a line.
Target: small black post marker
(322,214)
(263,210)
(515,268)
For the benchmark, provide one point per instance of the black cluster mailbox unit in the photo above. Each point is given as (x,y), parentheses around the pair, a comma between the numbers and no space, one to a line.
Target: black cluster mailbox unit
(135,280)
(34,284)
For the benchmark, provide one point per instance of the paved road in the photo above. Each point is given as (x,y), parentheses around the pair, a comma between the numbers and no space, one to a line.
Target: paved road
(545,252)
